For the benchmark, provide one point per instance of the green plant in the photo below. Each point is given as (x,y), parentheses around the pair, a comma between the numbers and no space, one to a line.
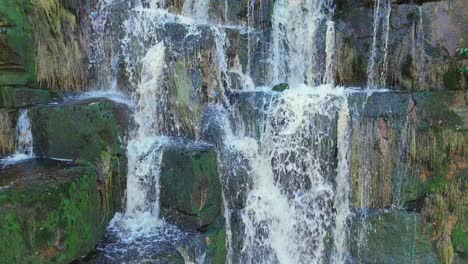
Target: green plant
(462,52)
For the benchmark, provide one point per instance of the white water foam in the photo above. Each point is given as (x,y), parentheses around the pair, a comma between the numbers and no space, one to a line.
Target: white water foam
(295,36)
(24,141)
(288,211)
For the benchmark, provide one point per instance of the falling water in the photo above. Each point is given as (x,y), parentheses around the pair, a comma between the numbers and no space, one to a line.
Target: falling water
(342,193)
(197,9)
(144,150)
(329,77)
(24,140)
(289,209)
(296,38)
(379,50)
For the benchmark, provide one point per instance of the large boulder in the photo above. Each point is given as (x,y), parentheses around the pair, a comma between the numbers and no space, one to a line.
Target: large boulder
(191,194)
(79,130)
(190,185)
(50,211)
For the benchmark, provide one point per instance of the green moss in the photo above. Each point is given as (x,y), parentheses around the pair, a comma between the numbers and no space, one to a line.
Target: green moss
(13,245)
(18,36)
(16,97)
(60,221)
(219,246)
(80,131)
(460,239)
(436,185)
(280,87)
(190,184)
(452,79)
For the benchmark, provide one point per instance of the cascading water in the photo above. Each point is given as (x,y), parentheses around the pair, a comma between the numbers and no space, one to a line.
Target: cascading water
(196,9)
(298,198)
(24,140)
(377,69)
(296,40)
(289,210)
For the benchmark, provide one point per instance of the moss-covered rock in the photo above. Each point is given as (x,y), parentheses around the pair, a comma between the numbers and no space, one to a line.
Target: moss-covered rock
(17,57)
(16,97)
(190,185)
(79,130)
(50,212)
(7,131)
(391,237)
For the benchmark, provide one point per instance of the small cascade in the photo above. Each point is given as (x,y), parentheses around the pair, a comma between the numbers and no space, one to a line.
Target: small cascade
(24,137)
(343,192)
(330,67)
(23,142)
(297,40)
(290,207)
(144,149)
(418,52)
(196,9)
(377,69)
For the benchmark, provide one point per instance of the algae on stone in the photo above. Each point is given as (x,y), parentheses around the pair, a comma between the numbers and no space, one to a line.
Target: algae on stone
(50,216)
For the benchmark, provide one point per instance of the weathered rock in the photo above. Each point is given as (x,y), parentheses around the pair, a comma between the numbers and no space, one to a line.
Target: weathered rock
(402,143)
(80,130)
(50,212)
(390,236)
(17,58)
(421,49)
(16,97)
(190,185)
(191,195)
(7,131)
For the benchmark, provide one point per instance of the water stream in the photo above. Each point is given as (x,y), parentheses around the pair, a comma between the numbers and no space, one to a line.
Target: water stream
(292,179)
(24,148)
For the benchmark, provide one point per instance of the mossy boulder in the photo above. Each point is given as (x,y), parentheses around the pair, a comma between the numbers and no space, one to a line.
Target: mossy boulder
(191,194)
(50,212)
(390,236)
(17,55)
(80,130)
(16,97)
(280,87)
(190,185)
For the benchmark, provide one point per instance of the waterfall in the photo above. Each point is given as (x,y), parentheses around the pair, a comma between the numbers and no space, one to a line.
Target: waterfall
(144,149)
(23,142)
(296,40)
(342,193)
(289,208)
(418,53)
(329,76)
(197,9)
(378,58)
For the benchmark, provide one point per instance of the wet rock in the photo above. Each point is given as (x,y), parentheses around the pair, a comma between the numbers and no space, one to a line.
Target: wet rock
(16,97)
(191,195)
(422,44)
(79,130)
(402,144)
(50,211)
(190,185)
(7,132)
(280,87)
(390,236)
(17,58)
